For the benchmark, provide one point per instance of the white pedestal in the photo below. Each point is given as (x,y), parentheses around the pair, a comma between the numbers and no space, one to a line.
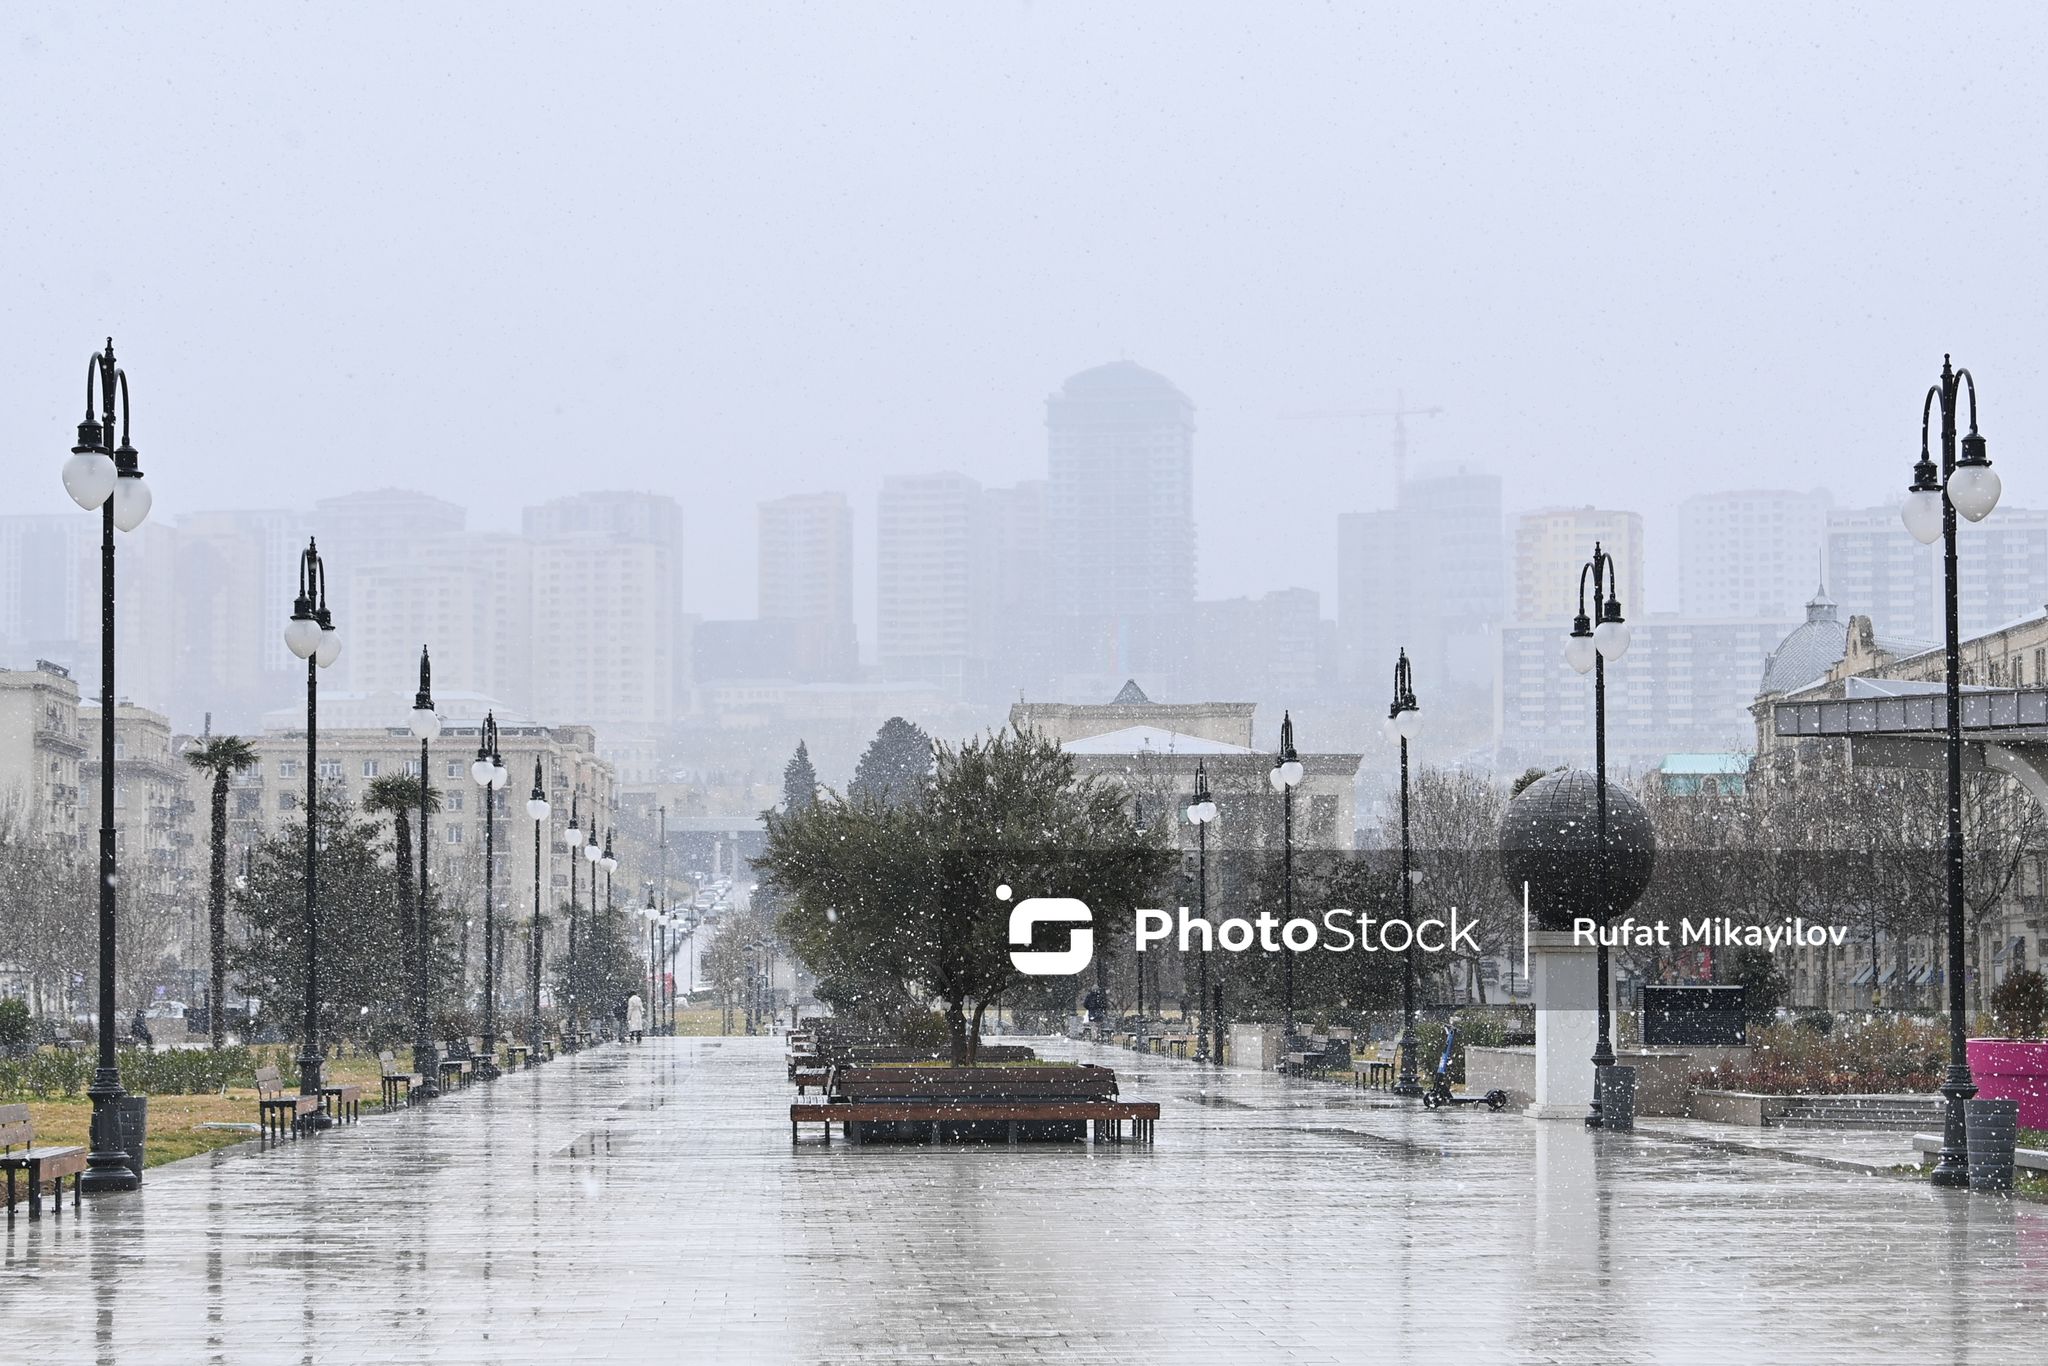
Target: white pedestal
(1564,984)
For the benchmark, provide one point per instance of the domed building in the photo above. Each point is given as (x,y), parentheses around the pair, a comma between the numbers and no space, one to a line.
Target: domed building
(1815,646)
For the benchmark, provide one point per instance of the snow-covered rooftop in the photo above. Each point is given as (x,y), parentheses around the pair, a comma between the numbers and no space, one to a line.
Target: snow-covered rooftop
(1150,739)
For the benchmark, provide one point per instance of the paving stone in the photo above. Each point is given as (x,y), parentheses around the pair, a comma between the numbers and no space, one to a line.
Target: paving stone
(644,1204)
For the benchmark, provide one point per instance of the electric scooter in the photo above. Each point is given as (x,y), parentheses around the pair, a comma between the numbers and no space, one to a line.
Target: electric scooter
(1439,1092)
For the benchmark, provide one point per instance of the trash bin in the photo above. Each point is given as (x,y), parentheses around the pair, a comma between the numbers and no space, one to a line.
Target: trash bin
(1991,1128)
(1618,1098)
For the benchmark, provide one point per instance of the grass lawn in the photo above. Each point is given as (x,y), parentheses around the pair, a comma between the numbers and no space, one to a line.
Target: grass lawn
(174,1121)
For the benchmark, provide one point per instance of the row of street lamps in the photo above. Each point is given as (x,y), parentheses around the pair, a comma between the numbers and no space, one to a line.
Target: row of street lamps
(102,475)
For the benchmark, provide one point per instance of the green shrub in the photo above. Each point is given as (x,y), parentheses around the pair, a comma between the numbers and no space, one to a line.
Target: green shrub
(2019,1004)
(15,1025)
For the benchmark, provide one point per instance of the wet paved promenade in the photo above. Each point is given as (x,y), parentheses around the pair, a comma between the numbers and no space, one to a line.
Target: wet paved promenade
(645,1205)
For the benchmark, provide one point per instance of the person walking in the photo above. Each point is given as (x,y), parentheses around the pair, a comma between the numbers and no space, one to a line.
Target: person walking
(636,1016)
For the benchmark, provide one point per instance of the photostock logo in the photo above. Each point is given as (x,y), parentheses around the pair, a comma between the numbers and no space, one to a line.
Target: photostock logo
(1033,911)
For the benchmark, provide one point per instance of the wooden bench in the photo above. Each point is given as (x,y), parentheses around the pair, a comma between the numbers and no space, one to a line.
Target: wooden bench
(274,1105)
(1375,1075)
(516,1055)
(43,1166)
(808,1077)
(977,1103)
(342,1102)
(453,1072)
(393,1079)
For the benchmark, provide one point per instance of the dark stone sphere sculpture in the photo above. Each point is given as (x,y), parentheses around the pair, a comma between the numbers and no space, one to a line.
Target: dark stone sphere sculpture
(1549,839)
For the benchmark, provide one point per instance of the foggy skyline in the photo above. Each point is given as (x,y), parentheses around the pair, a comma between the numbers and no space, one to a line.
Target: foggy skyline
(730,255)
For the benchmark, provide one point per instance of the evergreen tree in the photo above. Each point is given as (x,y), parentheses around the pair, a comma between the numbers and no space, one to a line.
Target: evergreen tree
(799,782)
(907,892)
(897,767)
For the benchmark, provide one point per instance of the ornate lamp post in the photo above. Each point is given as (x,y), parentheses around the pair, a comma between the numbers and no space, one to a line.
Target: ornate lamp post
(1969,486)
(1285,777)
(1404,721)
(651,914)
(488,773)
(609,862)
(1589,647)
(572,840)
(426,724)
(100,475)
(592,852)
(536,807)
(310,635)
(1201,812)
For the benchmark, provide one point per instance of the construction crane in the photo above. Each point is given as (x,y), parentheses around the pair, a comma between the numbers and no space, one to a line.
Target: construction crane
(1400,412)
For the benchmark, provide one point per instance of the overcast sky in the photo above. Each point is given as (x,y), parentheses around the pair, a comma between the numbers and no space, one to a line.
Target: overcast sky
(505,251)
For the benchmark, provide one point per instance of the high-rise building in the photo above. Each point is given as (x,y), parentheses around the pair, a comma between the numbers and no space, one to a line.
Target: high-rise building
(41,586)
(1266,646)
(1551,547)
(1685,685)
(1120,523)
(933,581)
(372,530)
(1750,553)
(469,599)
(237,575)
(603,639)
(1877,570)
(806,577)
(1429,577)
(2001,568)
(1014,519)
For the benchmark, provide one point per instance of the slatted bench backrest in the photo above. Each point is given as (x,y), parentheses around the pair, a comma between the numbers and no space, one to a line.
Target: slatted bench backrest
(16,1130)
(389,1062)
(269,1083)
(974,1083)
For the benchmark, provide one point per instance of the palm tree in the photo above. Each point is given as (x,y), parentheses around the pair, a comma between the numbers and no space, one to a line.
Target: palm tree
(398,796)
(223,756)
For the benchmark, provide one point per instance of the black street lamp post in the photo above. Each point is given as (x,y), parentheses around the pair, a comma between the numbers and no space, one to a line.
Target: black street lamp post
(426,724)
(310,635)
(488,772)
(100,475)
(1404,720)
(592,852)
(1589,647)
(610,863)
(1285,777)
(1969,486)
(572,838)
(536,807)
(1200,813)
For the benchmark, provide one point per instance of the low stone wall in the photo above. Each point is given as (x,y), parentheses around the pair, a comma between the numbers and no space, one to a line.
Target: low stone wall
(1256,1046)
(1662,1085)
(1739,1107)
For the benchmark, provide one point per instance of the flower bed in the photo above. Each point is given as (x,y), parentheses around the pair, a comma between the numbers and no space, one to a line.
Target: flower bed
(1881,1057)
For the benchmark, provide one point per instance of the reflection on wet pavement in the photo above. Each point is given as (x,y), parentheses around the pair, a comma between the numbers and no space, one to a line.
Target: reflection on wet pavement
(645,1204)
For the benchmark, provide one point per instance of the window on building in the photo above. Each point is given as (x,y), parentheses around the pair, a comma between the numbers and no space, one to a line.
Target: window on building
(287,801)
(287,768)
(330,768)
(456,769)
(369,768)
(451,800)
(454,835)
(412,768)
